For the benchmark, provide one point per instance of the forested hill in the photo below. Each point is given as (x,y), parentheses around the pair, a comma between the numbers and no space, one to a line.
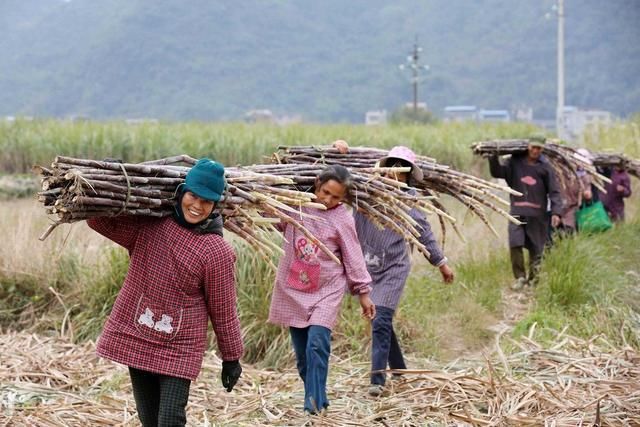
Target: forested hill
(328,60)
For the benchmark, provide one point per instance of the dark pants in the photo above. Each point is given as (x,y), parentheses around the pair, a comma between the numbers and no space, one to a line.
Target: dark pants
(160,399)
(517,263)
(312,346)
(385,348)
(533,236)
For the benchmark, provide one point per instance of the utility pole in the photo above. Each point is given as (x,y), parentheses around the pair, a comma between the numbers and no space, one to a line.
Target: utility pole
(414,70)
(560,107)
(413,64)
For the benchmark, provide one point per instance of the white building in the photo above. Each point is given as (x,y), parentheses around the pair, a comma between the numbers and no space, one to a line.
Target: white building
(523,114)
(419,105)
(575,121)
(375,117)
(460,113)
(259,116)
(494,116)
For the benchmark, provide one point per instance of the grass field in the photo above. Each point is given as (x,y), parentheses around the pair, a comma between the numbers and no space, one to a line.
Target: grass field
(67,283)
(23,144)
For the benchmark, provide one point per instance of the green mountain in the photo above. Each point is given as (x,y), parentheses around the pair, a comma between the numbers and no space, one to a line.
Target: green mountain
(327,60)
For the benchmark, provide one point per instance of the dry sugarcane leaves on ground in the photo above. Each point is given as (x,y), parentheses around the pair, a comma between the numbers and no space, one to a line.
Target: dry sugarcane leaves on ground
(476,194)
(50,381)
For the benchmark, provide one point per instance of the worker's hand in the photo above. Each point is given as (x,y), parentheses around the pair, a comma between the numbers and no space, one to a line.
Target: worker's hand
(368,307)
(555,221)
(447,273)
(587,195)
(231,371)
(341,145)
(620,188)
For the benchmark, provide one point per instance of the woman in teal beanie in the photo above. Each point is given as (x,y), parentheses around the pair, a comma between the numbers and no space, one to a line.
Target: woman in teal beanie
(181,274)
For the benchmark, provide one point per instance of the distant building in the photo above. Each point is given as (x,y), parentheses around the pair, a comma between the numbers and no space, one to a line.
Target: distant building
(523,114)
(259,116)
(22,118)
(375,117)
(576,121)
(494,116)
(460,113)
(420,105)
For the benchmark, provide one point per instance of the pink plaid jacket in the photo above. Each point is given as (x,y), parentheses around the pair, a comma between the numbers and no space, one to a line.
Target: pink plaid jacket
(336,229)
(177,280)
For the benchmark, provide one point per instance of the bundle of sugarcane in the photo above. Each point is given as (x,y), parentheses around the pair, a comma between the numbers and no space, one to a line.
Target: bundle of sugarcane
(475,193)
(565,160)
(77,189)
(613,159)
(381,199)
(255,198)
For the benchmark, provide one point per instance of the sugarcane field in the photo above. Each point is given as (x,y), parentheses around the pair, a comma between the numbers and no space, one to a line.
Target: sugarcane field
(562,351)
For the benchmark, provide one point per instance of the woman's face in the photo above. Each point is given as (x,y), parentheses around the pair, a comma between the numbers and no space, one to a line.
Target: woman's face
(195,209)
(331,193)
(398,176)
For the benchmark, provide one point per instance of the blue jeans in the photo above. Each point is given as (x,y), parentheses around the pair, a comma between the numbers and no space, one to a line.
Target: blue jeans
(385,348)
(312,346)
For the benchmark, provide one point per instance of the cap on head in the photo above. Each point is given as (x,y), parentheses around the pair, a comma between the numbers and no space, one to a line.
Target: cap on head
(537,140)
(403,153)
(206,180)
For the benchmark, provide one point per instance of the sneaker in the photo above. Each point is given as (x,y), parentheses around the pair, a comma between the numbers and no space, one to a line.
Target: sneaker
(520,283)
(375,390)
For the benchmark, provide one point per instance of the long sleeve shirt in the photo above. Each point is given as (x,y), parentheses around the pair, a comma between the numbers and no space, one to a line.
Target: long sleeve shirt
(536,181)
(613,200)
(388,258)
(335,229)
(177,281)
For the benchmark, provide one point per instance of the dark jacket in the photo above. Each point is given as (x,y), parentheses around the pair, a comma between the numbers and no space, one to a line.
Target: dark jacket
(613,199)
(535,181)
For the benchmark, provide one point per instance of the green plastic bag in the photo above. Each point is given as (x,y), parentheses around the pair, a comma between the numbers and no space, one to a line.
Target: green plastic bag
(592,218)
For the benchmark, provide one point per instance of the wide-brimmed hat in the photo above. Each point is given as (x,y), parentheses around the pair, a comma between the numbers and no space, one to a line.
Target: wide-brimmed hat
(403,153)
(206,180)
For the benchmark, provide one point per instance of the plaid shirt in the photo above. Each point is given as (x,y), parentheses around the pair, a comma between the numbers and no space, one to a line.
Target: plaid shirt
(177,280)
(336,229)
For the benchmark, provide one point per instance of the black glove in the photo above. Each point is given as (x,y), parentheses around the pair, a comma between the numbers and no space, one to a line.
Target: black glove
(231,371)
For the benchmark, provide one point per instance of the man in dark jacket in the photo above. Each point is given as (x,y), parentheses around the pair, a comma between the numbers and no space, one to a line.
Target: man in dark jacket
(531,175)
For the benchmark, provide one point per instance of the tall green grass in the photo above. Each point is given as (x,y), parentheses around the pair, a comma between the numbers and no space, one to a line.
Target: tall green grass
(590,284)
(621,137)
(24,143)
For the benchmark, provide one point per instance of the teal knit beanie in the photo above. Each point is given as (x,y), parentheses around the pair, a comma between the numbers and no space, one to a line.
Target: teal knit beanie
(206,180)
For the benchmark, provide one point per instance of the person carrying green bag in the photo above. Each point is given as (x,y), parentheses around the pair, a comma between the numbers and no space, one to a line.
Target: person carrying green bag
(592,218)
